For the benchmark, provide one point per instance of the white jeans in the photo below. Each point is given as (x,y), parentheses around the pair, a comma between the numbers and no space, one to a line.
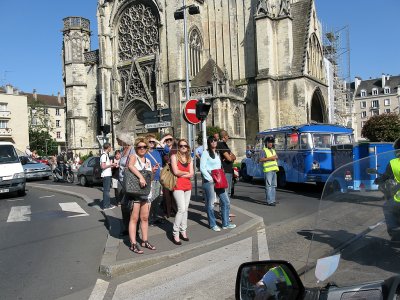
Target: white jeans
(182,199)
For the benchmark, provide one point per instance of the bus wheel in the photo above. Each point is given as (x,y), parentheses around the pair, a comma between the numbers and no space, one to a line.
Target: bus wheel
(281,178)
(245,176)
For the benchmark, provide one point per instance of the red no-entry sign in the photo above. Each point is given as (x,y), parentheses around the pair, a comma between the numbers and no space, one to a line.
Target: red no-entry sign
(189,112)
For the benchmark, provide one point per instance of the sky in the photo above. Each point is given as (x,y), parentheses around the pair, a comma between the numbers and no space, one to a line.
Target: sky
(31,38)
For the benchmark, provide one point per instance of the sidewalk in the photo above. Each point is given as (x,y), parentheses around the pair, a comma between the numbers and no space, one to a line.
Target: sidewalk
(118,259)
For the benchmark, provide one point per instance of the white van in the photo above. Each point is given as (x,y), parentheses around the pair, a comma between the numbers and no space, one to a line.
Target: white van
(12,176)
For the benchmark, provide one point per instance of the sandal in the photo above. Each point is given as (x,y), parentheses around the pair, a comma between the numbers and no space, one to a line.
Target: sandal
(135,248)
(147,245)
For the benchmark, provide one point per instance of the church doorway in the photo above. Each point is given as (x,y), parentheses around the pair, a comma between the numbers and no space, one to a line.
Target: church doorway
(317,107)
(132,119)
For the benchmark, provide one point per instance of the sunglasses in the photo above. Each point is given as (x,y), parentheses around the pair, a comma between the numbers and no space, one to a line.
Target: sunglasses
(168,140)
(183,146)
(213,141)
(142,147)
(152,142)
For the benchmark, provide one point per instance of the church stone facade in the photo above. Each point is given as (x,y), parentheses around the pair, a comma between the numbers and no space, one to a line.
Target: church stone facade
(259,63)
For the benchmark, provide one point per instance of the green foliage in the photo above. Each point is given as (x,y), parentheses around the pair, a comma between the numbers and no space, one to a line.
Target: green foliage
(382,128)
(42,141)
(211,130)
(86,156)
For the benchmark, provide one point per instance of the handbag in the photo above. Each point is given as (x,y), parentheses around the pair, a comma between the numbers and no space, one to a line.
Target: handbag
(167,178)
(131,183)
(219,178)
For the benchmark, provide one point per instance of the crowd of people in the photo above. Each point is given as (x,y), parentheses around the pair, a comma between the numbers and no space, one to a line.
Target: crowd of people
(146,154)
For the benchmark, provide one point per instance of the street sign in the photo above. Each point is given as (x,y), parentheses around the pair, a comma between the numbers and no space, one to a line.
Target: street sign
(189,112)
(156,116)
(157,119)
(150,114)
(158,125)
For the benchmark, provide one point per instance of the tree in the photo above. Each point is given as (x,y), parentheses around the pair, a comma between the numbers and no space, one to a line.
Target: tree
(382,128)
(211,130)
(39,129)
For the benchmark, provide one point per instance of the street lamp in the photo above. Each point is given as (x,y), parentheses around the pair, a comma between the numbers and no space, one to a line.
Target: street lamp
(179,15)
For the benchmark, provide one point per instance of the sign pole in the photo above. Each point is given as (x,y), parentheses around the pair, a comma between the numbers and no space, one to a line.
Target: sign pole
(190,127)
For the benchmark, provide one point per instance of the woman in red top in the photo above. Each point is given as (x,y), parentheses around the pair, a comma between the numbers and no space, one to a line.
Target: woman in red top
(182,167)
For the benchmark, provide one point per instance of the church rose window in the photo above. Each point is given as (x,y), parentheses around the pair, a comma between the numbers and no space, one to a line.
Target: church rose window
(138,32)
(196,47)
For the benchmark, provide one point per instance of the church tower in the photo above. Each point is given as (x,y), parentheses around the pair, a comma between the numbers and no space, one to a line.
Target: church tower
(80,83)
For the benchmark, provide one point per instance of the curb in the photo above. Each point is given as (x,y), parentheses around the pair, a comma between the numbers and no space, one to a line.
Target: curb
(111,268)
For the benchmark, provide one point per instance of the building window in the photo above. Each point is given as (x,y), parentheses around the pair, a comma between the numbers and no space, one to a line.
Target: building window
(387,90)
(3,106)
(363,93)
(375,112)
(58,123)
(387,110)
(363,114)
(236,122)
(362,124)
(3,124)
(375,103)
(195,51)
(374,91)
(46,111)
(363,104)
(34,121)
(387,102)
(58,134)
(57,111)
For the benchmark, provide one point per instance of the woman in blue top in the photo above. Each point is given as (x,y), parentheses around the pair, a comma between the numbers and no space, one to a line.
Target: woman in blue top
(210,160)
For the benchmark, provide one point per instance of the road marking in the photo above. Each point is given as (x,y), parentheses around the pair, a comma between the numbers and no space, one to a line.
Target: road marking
(73,207)
(211,275)
(14,200)
(99,290)
(19,214)
(46,196)
(263,252)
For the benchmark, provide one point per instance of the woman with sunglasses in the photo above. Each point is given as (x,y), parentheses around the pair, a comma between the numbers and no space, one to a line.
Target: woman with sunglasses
(210,160)
(140,206)
(182,167)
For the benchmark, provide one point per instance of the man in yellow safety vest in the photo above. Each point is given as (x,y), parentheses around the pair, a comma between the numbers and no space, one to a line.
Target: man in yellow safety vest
(269,158)
(391,179)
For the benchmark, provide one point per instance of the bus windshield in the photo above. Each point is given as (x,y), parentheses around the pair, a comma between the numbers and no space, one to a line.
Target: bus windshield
(322,140)
(342,139)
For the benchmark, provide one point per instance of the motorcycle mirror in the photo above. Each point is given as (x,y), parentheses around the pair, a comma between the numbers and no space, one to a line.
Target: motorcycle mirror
(326,267)
(271,279)
(372,171)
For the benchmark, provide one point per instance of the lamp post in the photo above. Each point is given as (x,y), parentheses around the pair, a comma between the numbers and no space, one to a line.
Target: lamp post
(181,13)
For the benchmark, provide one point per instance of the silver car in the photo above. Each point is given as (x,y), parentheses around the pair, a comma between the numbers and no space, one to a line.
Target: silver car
(34,169)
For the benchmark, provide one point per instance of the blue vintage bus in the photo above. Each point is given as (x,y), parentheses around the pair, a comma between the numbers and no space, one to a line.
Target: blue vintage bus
(304,152)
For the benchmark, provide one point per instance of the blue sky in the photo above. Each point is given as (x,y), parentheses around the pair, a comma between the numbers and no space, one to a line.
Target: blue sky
(31,38)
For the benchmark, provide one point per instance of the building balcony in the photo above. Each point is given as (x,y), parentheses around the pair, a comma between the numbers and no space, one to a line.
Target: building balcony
(5,131)
(5,114)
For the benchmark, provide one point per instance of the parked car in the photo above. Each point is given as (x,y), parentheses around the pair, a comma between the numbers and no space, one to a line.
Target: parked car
(34,169)
(89,172)
(43,160)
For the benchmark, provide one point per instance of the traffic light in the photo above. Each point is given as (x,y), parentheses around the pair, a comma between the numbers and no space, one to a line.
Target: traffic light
(106,129)
(202,110)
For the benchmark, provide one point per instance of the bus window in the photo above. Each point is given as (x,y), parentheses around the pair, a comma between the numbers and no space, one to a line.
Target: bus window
(342,139)
(292,141)
(305,141)
(322,140)
(280,141)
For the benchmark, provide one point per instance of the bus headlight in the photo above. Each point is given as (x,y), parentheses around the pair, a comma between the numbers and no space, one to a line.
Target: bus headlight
(315,165)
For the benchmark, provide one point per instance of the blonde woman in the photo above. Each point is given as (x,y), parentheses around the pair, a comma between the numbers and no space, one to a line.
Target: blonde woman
(140,207)
(182,167)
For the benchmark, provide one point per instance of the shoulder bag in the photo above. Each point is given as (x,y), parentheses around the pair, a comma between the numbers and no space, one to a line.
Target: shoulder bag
(219,178)
(167,178)
(131,182)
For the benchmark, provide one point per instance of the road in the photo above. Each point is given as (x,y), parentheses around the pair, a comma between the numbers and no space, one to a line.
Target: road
(51,245)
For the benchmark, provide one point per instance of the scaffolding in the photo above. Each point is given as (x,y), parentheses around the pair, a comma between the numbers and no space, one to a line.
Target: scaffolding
(337,52)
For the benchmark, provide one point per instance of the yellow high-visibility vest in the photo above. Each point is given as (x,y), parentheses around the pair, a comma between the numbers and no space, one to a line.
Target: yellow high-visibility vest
(270,165)
(395,165)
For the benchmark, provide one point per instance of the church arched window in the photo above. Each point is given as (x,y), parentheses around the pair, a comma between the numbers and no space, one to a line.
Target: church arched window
(315,58)
(195,51)
(236,122)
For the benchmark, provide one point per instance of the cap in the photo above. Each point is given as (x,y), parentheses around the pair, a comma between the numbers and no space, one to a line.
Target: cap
(269,139)
(396,144)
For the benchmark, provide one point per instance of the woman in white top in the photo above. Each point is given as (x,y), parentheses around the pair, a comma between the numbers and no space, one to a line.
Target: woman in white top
(140,205)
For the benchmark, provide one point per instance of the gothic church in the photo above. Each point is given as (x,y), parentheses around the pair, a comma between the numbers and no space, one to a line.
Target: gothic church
(259,63)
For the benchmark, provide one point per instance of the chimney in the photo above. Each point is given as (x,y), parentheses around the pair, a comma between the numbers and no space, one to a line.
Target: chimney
(357,82)
(59,98)
(34,94)
(9,89)
(383,80)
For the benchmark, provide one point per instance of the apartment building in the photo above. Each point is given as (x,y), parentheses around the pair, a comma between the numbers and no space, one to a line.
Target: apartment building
(13,127)
(49,110)
(374,97)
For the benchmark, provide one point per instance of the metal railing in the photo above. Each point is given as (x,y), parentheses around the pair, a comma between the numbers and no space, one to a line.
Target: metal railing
(5,131)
